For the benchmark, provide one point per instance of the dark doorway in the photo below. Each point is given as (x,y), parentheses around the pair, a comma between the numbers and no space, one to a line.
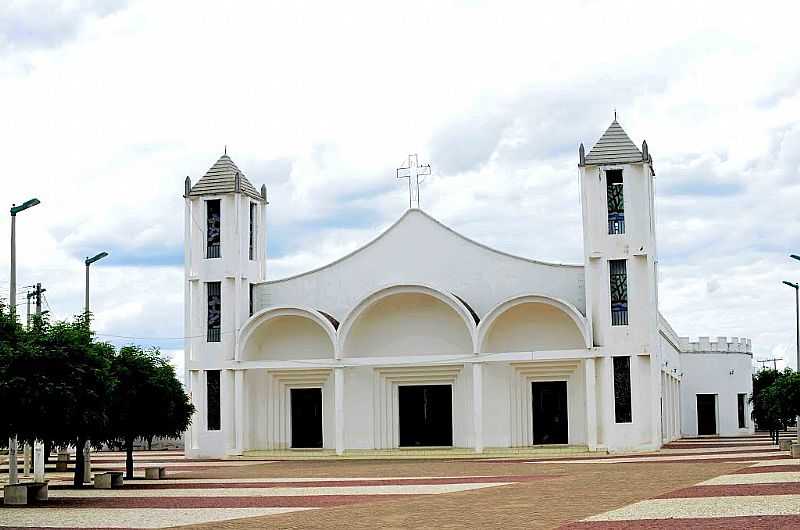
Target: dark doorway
(426,415)
(306,406)
(706,414)
(550,412)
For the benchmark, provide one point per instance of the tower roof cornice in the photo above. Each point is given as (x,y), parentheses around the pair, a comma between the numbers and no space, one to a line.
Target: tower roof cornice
(614,147)
(221,178)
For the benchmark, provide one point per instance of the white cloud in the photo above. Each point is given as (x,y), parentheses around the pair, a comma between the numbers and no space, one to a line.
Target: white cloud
(107,109)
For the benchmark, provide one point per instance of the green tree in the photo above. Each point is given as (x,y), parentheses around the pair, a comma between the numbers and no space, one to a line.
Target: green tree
(762,413)
(56,383)
(148,400)
(775,399)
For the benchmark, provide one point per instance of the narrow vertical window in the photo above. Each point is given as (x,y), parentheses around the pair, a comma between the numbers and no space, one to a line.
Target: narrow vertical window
(214,311)
(253,230)
(618,282)
(616,202)
(212,400)
(252,299)
(622,390)
(741,406)
(213,235)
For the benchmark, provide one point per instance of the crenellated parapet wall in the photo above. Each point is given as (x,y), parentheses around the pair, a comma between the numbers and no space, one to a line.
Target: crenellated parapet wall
(721,345)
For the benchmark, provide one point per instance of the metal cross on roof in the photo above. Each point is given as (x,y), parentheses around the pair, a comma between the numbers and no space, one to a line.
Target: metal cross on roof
(412,170)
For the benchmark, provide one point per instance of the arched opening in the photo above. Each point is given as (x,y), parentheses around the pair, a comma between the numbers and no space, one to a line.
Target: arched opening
(408,320)
(532,324)
(287,334)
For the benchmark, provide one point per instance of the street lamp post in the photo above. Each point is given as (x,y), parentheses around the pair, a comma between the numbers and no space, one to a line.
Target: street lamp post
(88,262)
(12,301)
(797,350)
(87,462)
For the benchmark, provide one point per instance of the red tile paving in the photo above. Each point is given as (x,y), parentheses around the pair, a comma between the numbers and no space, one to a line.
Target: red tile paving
(783,488)
(756,522)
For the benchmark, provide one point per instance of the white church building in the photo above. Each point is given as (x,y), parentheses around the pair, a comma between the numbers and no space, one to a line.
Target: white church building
(425,338)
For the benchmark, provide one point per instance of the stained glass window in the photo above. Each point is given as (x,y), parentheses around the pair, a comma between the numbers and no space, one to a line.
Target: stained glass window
(618,281)
(214,311)
(213,235)
(622,390)
(212,400)
(616,202)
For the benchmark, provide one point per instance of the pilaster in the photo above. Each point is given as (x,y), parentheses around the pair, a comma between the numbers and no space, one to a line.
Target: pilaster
(477,406)
(338,391)
(591,403)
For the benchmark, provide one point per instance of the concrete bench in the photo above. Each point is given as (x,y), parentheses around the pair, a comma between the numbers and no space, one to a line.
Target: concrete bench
(62,462)
(155,473)
(108,480)
(24,492)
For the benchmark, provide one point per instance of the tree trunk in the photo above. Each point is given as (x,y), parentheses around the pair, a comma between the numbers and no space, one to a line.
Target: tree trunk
(129,458)
(77,479)
(48,446)
(149,443)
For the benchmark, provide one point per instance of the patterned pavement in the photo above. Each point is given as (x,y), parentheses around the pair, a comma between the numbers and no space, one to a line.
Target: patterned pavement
(763,493)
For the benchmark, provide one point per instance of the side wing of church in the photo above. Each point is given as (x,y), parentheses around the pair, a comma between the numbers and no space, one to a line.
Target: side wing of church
(425,338)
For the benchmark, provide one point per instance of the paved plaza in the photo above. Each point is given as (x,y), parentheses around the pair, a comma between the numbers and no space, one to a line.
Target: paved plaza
(693,483)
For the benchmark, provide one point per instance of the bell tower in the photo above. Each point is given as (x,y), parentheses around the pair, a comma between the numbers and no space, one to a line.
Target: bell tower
(225,254)
(619,241)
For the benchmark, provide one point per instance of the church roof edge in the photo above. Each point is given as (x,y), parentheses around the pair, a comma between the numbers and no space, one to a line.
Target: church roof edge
(413,211)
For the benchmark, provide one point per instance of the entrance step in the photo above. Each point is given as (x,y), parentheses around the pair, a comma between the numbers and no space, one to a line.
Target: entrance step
(412,453)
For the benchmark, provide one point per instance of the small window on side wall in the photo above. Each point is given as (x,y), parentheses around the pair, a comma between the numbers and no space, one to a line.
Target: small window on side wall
(623,412)
(253,230)
(742,408)
(212,400)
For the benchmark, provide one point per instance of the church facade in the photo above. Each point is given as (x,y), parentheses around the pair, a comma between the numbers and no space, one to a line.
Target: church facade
(424,337)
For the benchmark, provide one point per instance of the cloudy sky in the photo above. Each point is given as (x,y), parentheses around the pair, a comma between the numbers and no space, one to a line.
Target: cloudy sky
(106,106)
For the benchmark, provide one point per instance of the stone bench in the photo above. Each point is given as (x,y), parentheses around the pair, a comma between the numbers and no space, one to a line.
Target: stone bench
(108,480)
(20,494)
(155,473)
(62,462)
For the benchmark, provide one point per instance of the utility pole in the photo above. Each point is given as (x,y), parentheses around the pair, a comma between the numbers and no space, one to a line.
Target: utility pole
(774,362)
(38,445)
(28,295)
(37,293)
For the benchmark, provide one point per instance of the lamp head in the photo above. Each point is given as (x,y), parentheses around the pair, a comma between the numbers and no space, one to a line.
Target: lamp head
(24,206)
(98,257)
(790,284)
(795,256)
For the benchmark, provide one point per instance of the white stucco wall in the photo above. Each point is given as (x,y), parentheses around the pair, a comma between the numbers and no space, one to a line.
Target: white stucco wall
(408,324)
(419,250)
(288,337)
(533,326)
(710,373)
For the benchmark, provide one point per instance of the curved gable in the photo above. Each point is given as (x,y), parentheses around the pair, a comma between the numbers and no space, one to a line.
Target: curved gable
(417,249)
